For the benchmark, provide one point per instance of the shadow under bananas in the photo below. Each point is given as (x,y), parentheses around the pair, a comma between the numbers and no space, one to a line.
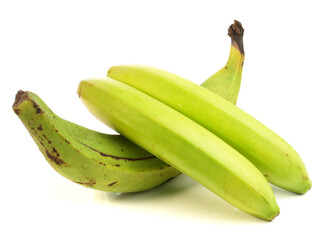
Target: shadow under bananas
(181,197)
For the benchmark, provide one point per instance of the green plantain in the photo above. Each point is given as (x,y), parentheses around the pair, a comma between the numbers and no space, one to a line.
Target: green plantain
(272,155)
(100,161)
(181,142)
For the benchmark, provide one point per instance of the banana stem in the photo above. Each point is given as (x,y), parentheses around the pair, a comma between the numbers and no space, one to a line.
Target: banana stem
(226,82)
(235,32)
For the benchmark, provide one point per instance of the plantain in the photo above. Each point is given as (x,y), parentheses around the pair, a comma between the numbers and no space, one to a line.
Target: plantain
(181,142)
(109,162)
(271,154)
(100,161)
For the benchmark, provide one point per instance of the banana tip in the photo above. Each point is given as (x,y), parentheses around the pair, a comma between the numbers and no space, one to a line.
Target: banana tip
(307,186)
(21,96)
(81,85)
(277,212)
(79,90)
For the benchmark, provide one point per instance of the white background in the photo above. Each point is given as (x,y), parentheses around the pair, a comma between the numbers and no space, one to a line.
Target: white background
(47,47)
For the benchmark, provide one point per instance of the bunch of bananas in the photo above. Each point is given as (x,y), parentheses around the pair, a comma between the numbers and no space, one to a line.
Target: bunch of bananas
(168,126)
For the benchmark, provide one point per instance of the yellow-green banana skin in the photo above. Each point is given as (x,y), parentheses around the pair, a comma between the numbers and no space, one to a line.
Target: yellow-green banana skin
(95,160)
(229,75)
(272,155)
(180,142)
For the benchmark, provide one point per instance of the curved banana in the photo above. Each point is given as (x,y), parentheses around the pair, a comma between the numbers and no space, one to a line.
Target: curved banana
(100,161)
(91,153)
(181,142)
(272,155)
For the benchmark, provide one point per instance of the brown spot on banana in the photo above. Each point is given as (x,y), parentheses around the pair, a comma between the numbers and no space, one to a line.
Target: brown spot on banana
(37,107)
(90,183)
(110,184)
(46,138)
(55,159)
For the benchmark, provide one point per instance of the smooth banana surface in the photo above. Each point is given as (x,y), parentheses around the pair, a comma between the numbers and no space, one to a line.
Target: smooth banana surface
(182,143)
(99,161)
(272,155)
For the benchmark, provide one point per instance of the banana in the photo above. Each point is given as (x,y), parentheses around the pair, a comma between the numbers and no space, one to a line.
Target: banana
(87,154)
(95,160)
(182,143)
(272,155)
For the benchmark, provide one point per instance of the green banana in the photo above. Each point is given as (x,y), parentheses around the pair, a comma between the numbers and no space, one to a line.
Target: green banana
(100,161)
(88,154)
(272,155)
(182,143)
